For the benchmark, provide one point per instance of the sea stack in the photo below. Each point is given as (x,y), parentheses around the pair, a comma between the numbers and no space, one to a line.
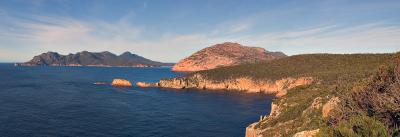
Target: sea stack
(225,54)
(121,83)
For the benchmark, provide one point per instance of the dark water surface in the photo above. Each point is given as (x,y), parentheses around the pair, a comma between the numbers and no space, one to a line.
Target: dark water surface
(63,101)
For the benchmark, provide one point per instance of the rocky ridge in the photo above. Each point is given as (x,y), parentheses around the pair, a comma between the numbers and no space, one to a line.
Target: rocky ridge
(85,58)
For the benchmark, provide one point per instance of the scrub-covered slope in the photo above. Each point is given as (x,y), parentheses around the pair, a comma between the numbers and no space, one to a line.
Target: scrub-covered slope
(357,95)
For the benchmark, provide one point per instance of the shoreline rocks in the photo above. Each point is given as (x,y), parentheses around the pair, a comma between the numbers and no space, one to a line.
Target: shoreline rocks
(121,83)
(144,84)
(251,131)
(197,81)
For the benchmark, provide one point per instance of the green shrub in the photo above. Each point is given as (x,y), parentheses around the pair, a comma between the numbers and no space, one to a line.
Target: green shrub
(328,67)
(360,126)
(377,96)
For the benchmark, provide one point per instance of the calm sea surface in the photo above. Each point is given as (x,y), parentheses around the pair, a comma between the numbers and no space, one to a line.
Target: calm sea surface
(63,101)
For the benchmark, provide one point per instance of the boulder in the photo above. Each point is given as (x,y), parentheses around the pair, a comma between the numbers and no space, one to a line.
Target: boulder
(329,106)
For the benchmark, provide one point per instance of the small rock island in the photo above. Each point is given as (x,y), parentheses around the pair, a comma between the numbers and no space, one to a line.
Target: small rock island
(121,83)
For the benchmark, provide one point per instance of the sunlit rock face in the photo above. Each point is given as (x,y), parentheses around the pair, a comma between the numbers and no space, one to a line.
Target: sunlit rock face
(121,83)
(198,81)
(225,54)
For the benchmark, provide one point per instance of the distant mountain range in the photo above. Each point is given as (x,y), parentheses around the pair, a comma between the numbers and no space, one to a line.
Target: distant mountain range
(86,58)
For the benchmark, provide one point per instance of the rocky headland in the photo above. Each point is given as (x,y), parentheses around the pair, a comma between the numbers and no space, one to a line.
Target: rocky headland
(245,84)
(317,94)
(225,54)
(97,59)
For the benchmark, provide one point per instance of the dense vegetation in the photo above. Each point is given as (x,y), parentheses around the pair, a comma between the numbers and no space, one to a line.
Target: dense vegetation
(324,66)
(369,101)
(372,108)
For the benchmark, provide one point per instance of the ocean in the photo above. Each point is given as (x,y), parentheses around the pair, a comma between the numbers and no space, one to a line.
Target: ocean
(63,101)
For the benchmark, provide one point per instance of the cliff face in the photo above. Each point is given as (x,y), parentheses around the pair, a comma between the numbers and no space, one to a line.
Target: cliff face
(86,58)
(253,129)
(197,81)
(264,125)
(225,54)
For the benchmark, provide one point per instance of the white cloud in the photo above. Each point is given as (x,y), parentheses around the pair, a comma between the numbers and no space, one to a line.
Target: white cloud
(241,26)
(332,39)
(67,35)
(28,37)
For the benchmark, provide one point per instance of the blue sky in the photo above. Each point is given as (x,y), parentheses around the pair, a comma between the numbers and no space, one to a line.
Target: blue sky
(171,30)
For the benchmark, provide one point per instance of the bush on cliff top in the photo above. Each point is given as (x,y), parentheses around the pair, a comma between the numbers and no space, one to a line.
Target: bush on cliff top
(377,97)
(328,67)
(357,126)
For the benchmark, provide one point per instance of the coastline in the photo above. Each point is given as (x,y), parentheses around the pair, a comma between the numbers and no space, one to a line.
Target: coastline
(78,65)
(244,84)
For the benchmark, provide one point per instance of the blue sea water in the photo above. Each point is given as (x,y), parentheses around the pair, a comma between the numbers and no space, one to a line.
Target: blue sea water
(63,101)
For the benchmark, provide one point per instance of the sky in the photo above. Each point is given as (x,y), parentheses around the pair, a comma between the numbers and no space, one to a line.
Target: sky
(169,30)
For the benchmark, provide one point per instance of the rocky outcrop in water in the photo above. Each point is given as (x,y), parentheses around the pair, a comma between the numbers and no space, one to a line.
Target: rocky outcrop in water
(225,54)
(121,83)
(85,58)
(197,81)
(144,84)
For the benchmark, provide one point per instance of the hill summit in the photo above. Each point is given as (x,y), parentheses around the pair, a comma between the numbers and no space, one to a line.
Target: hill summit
(225,54)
